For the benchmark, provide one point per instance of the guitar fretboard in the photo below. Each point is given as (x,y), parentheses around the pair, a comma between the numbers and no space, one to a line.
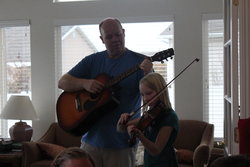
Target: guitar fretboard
(123,75)
(160,56)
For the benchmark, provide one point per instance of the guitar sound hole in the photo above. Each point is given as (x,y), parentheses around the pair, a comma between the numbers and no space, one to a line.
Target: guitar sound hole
(94,96)
(89,105)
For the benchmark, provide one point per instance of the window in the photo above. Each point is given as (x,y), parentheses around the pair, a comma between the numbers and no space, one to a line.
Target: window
(147,38)
(213,81)
(15,67)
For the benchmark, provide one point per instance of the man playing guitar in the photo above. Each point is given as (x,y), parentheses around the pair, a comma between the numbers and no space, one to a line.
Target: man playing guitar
(107,147)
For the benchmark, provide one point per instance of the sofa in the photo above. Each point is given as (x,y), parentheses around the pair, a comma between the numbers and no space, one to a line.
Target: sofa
(194,143)
(42,152)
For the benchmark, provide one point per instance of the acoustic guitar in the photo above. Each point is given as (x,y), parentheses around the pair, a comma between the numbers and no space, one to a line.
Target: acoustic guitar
(78,111)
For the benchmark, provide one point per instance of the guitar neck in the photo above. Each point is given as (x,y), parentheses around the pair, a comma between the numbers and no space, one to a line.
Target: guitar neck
(160,56)
(123,75)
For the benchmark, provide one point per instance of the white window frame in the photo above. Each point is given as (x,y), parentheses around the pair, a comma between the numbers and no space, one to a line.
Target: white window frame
(208,102)
(5,124)
(58,44)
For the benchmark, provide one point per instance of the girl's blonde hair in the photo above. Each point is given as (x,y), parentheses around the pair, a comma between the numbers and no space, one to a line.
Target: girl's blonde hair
(156,82)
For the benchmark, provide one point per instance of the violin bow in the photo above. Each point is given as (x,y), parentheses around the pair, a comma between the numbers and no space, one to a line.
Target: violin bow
(162,90)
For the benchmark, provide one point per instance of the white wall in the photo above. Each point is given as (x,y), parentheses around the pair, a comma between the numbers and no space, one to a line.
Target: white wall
(43,15)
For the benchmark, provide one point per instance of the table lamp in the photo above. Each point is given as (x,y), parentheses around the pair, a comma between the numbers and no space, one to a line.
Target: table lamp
(20,108)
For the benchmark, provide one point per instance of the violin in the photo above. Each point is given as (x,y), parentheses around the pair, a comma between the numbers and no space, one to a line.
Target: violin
(146,120)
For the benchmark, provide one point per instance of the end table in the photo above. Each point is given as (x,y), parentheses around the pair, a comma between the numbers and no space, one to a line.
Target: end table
(11,159)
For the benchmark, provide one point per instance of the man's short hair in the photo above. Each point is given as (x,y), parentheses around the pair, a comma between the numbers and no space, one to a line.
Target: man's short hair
(109,18)
(71,153)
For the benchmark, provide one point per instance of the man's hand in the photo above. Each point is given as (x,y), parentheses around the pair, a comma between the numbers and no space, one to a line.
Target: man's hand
(146,66)
(93,86)
(124,118)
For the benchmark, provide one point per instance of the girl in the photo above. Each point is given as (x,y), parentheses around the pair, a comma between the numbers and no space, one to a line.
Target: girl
(158,137)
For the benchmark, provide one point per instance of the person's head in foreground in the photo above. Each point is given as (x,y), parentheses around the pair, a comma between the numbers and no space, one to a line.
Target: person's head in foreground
(73,157)
(232,161)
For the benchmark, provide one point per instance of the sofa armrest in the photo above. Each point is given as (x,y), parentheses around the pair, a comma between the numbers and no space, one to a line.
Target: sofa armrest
(208,136)
(31,153)
(49,136)
(201,155)
(203,151)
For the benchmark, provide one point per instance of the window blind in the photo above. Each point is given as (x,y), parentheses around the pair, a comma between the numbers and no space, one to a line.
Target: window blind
(15,76)
(213,82)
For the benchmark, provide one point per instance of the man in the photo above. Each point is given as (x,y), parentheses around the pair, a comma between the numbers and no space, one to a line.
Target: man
(106,146)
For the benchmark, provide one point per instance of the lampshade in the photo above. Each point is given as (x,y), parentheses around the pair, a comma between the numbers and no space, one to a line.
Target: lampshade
(21,108)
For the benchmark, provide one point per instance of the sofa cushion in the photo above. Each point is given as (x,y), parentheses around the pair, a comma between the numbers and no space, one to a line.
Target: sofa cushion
(50,150)
(184,156)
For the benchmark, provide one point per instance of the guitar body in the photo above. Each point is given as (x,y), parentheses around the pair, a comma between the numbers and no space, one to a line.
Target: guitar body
(78,111)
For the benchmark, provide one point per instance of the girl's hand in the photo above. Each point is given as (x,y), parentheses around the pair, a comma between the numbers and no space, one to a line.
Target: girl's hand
(132,129)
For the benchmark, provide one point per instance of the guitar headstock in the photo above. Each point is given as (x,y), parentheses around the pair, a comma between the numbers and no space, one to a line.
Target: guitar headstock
(163,55)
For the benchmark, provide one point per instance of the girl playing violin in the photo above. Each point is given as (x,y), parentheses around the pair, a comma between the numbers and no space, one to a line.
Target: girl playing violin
(159,135)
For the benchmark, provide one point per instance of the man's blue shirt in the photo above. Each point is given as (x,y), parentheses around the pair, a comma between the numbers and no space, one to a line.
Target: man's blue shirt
(103,134)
